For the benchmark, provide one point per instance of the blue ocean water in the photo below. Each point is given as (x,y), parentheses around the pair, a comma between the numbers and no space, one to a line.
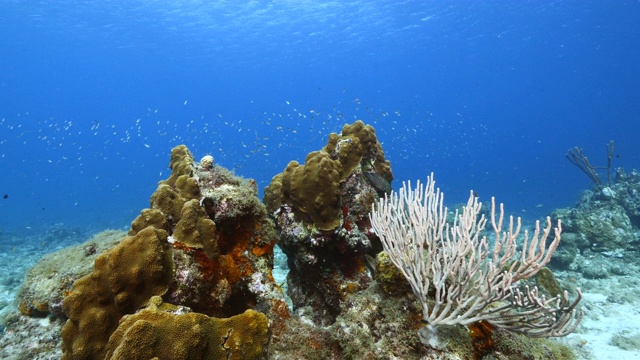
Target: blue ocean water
(489,95)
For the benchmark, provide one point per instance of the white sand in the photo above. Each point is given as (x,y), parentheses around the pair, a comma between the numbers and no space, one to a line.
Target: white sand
(604,319)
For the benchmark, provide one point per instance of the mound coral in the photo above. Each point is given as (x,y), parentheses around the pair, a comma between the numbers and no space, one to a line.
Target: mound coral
(321,209)
(206,243)
(51,279)
(123,280)
(314,188)
(165,333)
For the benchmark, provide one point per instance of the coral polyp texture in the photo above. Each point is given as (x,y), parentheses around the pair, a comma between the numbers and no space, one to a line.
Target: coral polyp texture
(167,333)
(205,244)
(123,280)
(321,209)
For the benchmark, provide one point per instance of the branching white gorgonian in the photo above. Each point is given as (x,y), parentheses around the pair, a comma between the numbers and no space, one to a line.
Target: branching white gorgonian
(453,266)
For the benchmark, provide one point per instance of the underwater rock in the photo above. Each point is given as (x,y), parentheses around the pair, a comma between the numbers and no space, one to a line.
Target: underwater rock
(314,188)
(52,277)
(605,218)
(321,209)
(221,236)
(627,189)
(25,337)
(194,281)
(206,243)
(167,332)
(389,277)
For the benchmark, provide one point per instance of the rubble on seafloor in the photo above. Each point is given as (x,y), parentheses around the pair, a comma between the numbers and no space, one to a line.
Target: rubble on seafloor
(194,276)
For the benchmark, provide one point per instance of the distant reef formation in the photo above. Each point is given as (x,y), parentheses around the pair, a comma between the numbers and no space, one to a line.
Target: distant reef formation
(193,277)
(604,225)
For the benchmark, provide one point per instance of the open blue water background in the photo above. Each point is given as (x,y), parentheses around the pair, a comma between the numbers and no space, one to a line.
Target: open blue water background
(487,94)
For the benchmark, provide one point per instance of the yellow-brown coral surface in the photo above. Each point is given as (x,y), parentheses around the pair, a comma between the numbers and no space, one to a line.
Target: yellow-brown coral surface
(206,243)
(156,334)
(314,188)
(123,280)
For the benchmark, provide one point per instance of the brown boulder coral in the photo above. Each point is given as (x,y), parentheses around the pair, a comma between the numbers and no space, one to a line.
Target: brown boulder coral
(123,280)
(321,210)
(167,333)
(206,243)
(52,277)
(315,187)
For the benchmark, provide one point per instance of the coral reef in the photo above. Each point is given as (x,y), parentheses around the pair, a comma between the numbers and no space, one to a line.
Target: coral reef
(206,243)
(376,324)
(166,332)
(51,279)
(123,280)
(389,278)
(315,187)
(606,221)
(321,211)
(221,236)
(31,338)
(193,277)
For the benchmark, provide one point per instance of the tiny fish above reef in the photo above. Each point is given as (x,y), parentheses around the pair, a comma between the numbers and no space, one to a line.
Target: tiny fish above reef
(6,196)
